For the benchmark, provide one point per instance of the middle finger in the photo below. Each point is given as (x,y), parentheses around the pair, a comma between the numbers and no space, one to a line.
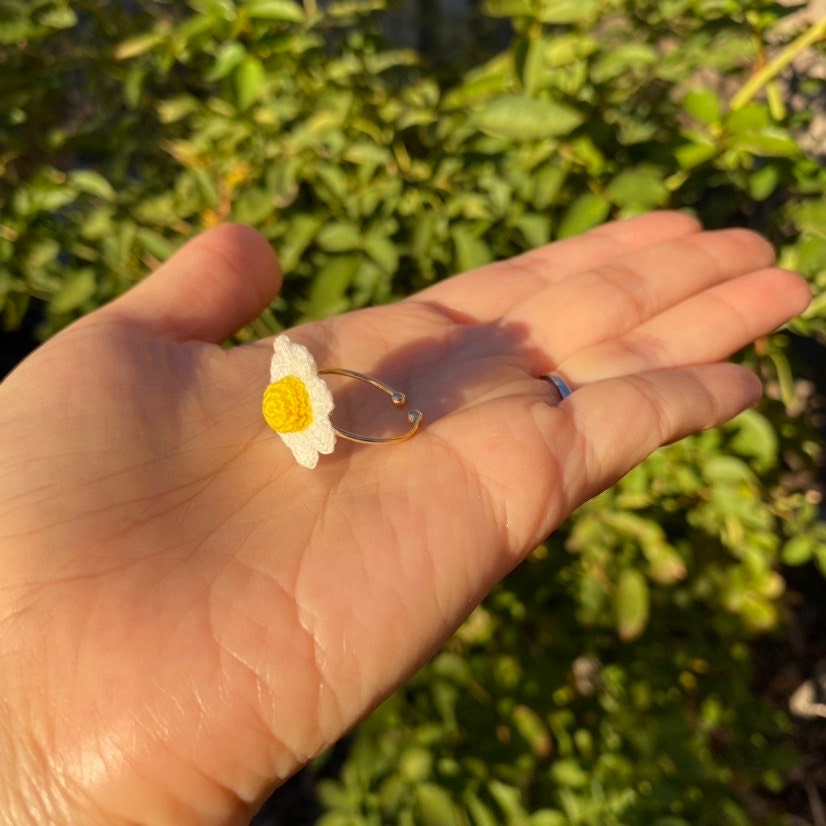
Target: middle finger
(606,302)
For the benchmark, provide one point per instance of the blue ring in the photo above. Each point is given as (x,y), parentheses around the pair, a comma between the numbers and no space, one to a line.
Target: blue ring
(559,383)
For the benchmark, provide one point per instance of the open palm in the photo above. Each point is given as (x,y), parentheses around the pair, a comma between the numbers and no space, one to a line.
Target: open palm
(187,616)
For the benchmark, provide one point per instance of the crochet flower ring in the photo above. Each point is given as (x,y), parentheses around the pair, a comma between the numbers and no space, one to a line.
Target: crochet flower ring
(297,404)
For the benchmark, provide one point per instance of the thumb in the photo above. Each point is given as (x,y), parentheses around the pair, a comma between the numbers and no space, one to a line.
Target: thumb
(215,284)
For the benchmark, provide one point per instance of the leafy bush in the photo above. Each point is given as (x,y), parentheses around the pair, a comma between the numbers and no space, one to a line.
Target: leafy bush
(608,680)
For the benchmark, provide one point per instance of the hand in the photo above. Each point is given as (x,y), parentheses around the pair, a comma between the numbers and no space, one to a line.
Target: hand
(187,616)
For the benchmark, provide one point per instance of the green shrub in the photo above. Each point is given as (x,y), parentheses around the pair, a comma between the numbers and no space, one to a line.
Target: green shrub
(608,680)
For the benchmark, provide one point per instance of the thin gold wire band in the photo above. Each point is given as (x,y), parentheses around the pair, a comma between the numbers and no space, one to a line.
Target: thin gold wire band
(398,399)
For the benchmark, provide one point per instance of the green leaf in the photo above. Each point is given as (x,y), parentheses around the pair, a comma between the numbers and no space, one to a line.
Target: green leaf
(59,18)
(568,772)
(470,205)
(367,153)
(764,181)
(383,251)
(341,819)
(820,558)
(416,764)
(300,233)
(335,179)
(549,180)
(530,56)
(41,254)
(138,45)
(284,10)
(92,183)
(691,155)
(478,86)
(173,109)
(817,308)
(798,550)
(641,187)
(769,143)
(348,8)
(756,438)
(811,214)
(568,11)
(521,118)
(340,236)
(282,181)
(78,288)
(434,806)
(548,817)
(423,236)
(253,206)
(810,256)
(703,105)
(327,293)
(565,49)
(133,85)
(665,565)
(508,8)
(631,604)
(156,244)
(192,31)
(224,9)
(587,211)
(509,799)
(533,730)
(98,224)
(727,470)
(249,81)
(748,119)
(623,60)
(335,795)
(480,812)
(229,57)
(41,196)
(471,251)
(585,152)
(535,228)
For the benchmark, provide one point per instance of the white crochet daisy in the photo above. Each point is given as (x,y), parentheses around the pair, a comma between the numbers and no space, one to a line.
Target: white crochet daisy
(297,403)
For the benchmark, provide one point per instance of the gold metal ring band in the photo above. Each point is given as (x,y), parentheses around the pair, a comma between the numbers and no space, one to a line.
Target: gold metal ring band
(399,400)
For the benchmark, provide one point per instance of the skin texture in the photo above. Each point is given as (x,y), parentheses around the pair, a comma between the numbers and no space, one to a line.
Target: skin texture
(187,616)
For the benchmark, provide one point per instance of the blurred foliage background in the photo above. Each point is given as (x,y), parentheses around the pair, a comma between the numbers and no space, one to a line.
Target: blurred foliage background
(617,676)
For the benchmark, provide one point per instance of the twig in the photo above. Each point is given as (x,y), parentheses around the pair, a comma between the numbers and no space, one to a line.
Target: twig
(764,76)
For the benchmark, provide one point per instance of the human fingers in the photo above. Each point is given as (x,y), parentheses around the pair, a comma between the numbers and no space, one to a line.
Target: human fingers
(212,286)
(484,294)
(580,447)
(614,298)
(706,327)
(612,425)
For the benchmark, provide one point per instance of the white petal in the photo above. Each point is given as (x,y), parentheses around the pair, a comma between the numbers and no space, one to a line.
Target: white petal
(295,360)
(319,437)
(325,437)
(303,449)
(321,398)
(291,359)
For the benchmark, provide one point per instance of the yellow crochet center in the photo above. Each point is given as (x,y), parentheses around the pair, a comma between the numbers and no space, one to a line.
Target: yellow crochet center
(286,405)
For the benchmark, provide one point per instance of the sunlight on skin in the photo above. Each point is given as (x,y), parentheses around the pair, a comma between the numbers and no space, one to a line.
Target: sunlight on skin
(188,616)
